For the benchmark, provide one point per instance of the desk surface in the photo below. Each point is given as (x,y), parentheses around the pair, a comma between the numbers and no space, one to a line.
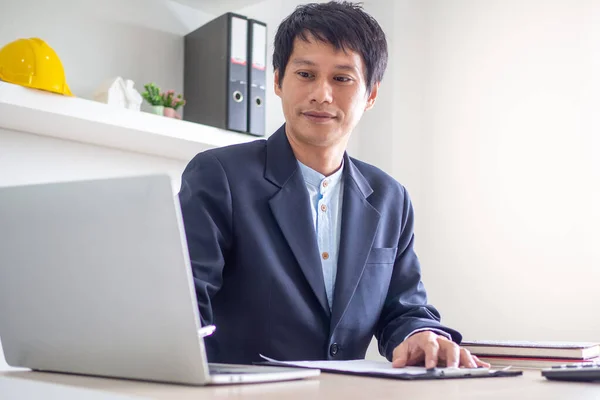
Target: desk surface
(328,386)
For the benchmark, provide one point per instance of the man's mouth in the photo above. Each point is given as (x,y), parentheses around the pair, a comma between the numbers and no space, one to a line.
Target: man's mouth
(319,116)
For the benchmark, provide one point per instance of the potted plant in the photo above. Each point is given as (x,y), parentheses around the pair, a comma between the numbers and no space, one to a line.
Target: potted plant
(165,103)
(153,96)
(171,102)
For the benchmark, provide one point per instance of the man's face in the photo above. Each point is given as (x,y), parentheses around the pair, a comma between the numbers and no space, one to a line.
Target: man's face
(323,93)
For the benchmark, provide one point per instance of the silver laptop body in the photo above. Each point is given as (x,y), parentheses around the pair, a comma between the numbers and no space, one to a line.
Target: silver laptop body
(95,279)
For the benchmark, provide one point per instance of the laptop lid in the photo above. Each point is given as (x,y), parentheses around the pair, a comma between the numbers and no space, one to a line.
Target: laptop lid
(95,279)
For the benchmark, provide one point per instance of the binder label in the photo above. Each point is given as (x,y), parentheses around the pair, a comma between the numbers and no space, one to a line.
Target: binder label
(259,47)
(239,36)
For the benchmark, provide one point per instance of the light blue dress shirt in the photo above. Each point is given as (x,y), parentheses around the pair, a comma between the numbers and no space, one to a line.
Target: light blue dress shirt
(326,194)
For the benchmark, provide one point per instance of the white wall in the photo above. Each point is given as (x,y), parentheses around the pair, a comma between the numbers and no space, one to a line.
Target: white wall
(26,158)
(512,234)
(500,103)
(390,135)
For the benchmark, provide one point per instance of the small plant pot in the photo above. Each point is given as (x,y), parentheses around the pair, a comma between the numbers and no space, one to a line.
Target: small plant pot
(171,113)
(158,110)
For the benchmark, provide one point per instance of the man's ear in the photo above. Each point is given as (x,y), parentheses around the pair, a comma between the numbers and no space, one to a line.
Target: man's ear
(276,84)
(372,97)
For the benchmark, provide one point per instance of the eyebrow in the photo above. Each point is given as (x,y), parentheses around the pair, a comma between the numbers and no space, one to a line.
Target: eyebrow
(302,61)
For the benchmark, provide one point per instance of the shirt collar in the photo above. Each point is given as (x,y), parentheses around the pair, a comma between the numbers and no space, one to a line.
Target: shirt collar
(315,178)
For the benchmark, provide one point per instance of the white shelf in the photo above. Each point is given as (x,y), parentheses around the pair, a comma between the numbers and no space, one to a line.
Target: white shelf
(90,122)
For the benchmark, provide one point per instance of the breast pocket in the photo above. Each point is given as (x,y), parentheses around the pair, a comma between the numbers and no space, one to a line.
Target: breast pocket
(382,255)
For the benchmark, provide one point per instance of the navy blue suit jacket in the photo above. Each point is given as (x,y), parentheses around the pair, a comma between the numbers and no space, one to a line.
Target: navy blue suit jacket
(257,268)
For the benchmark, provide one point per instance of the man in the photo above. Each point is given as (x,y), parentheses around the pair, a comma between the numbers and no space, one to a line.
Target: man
(300,252)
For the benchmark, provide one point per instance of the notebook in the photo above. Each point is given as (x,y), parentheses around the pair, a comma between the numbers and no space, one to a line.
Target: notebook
(574,350)
(533,362)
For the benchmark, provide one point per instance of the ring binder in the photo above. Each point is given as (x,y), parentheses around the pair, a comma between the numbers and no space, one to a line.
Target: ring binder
(257,55)
(216,73)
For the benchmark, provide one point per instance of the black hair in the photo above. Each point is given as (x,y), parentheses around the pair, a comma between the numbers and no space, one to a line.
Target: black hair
(343,24)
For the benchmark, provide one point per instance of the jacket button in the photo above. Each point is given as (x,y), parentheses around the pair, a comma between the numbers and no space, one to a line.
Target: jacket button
(333,349)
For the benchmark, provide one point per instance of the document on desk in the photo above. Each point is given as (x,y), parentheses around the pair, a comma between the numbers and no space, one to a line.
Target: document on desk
(384,369)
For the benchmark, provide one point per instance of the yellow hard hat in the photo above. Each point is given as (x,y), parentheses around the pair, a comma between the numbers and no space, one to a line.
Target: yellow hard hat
(32,63)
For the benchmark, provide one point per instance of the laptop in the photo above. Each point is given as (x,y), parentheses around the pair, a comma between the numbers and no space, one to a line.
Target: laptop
(95,279)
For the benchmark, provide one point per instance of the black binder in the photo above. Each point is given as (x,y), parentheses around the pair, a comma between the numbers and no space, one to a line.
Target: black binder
(257,77)
(216,73)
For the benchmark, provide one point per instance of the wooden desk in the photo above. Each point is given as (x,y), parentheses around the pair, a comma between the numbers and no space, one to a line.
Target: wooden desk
(329,386)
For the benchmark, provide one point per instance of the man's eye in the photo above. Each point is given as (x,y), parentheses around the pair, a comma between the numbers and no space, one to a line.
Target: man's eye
(304,74)
(343,79)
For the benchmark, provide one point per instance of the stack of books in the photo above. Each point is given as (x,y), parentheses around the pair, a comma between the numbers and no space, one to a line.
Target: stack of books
(533,354)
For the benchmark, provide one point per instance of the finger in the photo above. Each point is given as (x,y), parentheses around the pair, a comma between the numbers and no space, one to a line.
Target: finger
(416,356)
(450,352)
(431,349)
(466,359)
(400,355)
(480,363)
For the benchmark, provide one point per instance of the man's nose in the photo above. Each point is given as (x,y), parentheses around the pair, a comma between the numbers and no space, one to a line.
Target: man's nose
(322,92)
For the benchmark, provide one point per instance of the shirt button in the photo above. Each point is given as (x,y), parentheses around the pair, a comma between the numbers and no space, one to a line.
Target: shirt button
(334,349)
(325,183)
(323,207)
(325,255)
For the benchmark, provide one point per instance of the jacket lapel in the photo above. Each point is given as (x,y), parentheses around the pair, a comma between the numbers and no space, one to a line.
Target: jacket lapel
(291,208)
(359,226)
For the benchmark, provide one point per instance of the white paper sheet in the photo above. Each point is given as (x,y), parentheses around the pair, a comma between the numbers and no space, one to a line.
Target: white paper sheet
(378,367)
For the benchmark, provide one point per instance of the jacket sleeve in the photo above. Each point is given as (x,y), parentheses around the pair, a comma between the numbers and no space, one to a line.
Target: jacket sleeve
(206,207)
(405,309)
